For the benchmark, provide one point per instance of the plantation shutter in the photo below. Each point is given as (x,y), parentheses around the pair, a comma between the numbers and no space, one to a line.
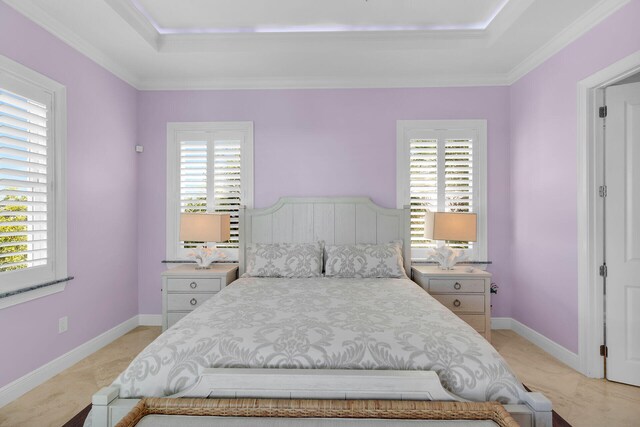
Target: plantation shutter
(210,177)
(423,187)
(227,184)
(441,179)
(24,183)
(458,175)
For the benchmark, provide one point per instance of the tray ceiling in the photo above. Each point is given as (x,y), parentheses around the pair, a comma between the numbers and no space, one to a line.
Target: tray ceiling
(213,16)
(216,44)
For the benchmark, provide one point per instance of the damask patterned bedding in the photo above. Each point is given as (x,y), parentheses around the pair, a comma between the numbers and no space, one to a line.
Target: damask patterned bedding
(322,323)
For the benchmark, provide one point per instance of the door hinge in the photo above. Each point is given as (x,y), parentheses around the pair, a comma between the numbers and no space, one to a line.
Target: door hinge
(604,351)
(603,270)
(603,191)
(602,112)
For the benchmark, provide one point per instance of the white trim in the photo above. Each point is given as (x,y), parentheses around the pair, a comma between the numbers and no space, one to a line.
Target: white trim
(556,350)
(57,194)
(150,319)
(137,20)
(36,14)
(480,159)
(27,382)
(325,82)
(31,295)
(500,323)
(590,170)
(173,170)
(586,22)
(564,355)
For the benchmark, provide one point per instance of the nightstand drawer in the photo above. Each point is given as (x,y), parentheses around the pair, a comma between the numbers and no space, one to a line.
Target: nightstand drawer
(462,303)
(456,285)
(199,284)
(189,302)
(476,321)
(172,318)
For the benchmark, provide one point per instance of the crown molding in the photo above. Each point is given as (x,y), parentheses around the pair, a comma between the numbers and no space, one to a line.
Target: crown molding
(586,22)
(506,18)
(444,39)
(53,26)
(136,20)
(297,82)
(371,40)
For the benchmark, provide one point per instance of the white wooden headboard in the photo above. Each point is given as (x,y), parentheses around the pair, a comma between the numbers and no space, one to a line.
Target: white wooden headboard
(336,220)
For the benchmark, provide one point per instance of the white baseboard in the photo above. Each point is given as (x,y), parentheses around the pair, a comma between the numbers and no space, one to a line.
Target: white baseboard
(22,385)
(501,323)
(150,319)
(553,348)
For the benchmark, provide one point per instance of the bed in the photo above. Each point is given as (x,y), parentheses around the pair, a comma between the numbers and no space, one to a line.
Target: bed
(321,338)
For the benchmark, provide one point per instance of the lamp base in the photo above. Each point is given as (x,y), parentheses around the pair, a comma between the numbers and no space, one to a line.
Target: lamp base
(447,257)
(204,256)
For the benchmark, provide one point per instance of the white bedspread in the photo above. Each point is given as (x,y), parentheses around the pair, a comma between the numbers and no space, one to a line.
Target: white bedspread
(322,323)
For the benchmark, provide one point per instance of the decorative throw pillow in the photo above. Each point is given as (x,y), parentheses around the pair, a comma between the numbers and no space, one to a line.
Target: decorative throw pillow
(284,259)
(365,261)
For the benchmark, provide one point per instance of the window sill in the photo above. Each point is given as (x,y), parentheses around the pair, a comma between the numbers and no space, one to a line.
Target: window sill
(34,292)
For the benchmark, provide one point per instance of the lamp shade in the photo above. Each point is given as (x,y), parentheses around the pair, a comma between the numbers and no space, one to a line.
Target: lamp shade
(204,227)
(460,227)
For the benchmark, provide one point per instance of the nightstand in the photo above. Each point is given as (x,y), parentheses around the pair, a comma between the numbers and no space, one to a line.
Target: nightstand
(184,289)
(467,294)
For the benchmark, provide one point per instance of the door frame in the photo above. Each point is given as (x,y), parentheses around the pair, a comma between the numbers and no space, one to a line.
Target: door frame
(590,211)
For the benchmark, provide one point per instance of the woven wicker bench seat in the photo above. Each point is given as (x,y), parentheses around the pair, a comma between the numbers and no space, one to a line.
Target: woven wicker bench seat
(165,412)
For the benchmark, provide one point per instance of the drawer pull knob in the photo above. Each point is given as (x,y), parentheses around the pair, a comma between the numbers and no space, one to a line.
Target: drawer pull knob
(193,285)
(456,303)
(457,286)
(195,301)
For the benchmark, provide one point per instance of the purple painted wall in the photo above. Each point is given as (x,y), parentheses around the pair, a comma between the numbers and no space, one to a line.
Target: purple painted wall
(543,176)
(334,142)
(318,143)
(102,213)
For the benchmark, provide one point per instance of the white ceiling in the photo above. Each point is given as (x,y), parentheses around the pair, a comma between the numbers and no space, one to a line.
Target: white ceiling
(170,16)
(211,44)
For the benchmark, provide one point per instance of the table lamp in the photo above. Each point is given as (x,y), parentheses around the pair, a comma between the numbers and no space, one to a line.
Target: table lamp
(204,228)
(452,226)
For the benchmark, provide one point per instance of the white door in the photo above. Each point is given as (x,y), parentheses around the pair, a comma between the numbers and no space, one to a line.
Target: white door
(622,232)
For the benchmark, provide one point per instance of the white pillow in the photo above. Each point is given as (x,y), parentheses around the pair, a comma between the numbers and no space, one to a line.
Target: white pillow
(365,260)
(284,260)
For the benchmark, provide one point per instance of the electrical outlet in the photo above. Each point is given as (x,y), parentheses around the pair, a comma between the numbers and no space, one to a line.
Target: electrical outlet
(63,324)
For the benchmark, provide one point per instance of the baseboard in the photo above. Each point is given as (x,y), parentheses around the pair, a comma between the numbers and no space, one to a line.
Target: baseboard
(150,319)
(22,385)
(564,355)
(501,323)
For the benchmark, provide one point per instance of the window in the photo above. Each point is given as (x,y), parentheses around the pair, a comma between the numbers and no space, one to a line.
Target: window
(441,167)
(32,179)
(210,169)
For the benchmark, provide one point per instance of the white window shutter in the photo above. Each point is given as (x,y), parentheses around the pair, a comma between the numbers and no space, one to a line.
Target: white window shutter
(24,182)
(423,191)
(211,177)
(458,176)
(227,183)
(440,180)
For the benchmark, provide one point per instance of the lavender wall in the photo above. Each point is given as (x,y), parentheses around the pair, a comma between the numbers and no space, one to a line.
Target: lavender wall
(319,143)
(101,170)
(543,176)
(333,142)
